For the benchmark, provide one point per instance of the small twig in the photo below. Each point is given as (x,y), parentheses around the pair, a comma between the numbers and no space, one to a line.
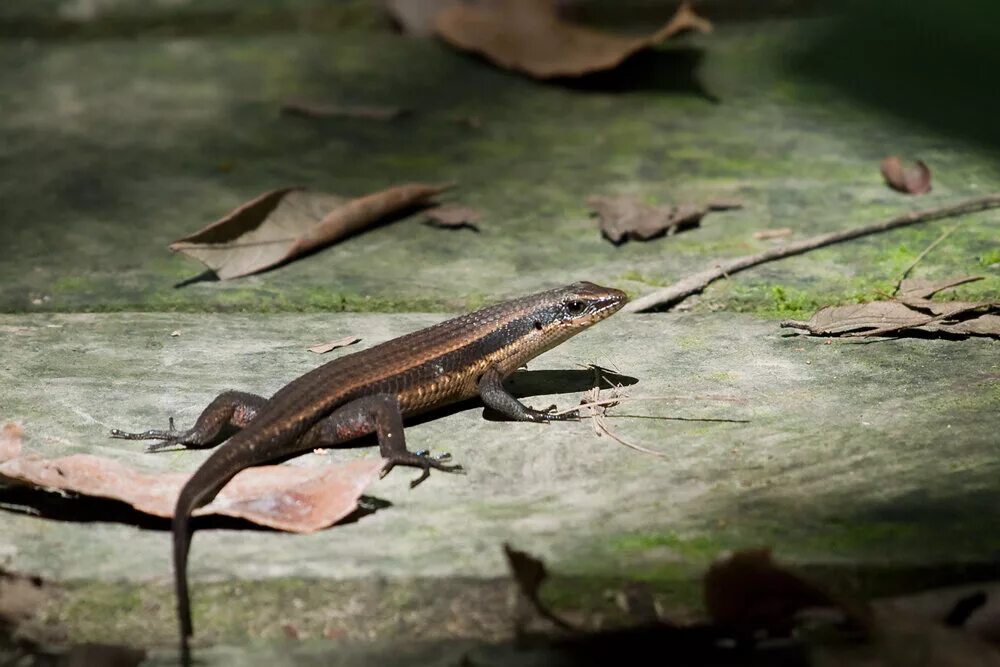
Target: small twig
(923,254)
(603,428)
(622,399)
(695,283)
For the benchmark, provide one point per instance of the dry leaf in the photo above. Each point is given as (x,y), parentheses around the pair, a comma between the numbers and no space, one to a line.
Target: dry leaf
(20,597)
(768,234)
(10,441)
(363,112)
(914,180)
(748,590)
(529,573)
(416,17)
(529,36)
(323,348)
(911,310)
(974,608)
(297,499)
(283,224)
(624,218)
(454,216)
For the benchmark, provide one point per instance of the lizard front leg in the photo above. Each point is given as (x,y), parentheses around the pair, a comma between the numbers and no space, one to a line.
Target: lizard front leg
(379,414)
(229,412)
(495,396)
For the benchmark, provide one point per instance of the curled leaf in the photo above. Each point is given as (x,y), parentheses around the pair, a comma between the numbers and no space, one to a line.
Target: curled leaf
(281,225)
(915,180)
(529,36)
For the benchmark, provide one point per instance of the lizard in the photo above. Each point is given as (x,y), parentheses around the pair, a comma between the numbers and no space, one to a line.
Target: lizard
(372,391)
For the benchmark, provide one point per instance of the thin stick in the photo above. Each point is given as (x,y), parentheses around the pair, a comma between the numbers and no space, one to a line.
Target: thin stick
(926,252)
(622,399)
(695,283)
(603,428)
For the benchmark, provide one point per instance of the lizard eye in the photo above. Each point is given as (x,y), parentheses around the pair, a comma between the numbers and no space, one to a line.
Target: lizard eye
(575,307)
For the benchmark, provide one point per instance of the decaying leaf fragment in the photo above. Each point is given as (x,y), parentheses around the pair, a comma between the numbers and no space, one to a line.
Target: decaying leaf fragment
(454,216)
(323,348)
(748,590)
(623,217)
(416,17)
(911,310)
(297,499)
(528,36)
(915,180)
(282,224)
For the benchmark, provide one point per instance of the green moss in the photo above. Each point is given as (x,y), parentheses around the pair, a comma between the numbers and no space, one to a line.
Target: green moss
(989,259)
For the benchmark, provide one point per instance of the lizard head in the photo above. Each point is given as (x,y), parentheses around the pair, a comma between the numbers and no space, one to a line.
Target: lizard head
(583,304)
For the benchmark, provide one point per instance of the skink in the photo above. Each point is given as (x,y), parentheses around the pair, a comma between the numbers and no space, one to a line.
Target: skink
(372,391)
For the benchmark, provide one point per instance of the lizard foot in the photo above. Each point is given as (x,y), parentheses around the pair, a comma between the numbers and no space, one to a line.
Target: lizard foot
(170,437)
(419,460)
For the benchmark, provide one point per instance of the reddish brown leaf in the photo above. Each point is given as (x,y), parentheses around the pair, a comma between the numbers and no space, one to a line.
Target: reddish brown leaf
(323,348)
(454,216)
(283,224)
(529,36)
(297,499)
(914,180)
(749,590)
(363,112)
(623,218)
(10,441)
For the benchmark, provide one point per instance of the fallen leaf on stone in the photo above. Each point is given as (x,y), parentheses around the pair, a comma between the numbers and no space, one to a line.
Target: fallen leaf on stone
(911,310)
(768,234)
(623,218)
(283,224)
(915,180)
(528,36)
(454,216)
(416,17)
(363,112)
(529,573)
(296,499)
(749,591)
(323,348)
(10,441)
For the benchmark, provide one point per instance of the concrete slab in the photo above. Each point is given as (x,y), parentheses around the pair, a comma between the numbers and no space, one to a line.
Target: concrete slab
(860,455)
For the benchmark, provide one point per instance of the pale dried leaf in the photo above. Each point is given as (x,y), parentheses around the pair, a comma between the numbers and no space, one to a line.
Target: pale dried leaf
(529,36)
(292,498)
(283,224)
(11,436)
(917,288)
(623,217)
(416,17)
(914,180)
(323,348)
(768,234)
(20,597)
(454,216)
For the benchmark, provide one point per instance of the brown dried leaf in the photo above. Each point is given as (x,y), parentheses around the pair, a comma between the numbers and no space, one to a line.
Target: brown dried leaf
(529,36)
(10,441)
(323,348)
(297,499)
(914,180)
(283,224)
(454,216)
(911,310)
(624,217)
(20,597)
(363,112)
(749,590)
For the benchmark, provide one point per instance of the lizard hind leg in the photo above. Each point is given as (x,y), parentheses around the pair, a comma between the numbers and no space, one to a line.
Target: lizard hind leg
(229,412)
(379,414)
